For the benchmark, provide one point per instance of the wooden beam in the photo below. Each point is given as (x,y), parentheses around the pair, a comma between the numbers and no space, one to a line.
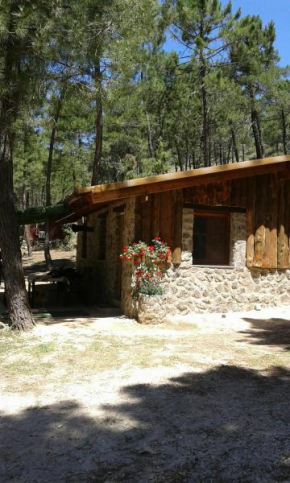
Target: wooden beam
(113,193)
(219,209)
(86,200)
(181,175)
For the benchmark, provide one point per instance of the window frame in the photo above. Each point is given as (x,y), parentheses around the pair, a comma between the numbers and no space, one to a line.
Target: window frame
(214,214)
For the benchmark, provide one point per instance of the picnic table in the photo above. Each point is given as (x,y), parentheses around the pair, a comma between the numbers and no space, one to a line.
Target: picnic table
(45,278)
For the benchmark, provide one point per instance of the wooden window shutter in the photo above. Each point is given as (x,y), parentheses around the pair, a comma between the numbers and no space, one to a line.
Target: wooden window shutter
(283,247)
(262,222)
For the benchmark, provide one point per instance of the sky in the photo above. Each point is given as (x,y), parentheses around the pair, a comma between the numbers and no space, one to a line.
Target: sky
(276,10)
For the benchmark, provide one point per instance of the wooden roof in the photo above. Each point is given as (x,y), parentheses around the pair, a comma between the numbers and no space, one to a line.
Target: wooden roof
(87,200)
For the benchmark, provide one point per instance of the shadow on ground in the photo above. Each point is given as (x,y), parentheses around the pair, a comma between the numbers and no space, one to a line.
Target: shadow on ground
(274,332)
(41,266)
(224,425)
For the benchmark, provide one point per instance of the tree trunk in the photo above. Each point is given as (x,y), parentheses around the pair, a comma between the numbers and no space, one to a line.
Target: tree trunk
(260,133)
(26,230)
(284,131)
(28,241)
(205,122)
(258,146)
(47,255)
(25,204)
(235,147)
(149,136)
(20,316)
(256,128)
(99,125)
(179,157)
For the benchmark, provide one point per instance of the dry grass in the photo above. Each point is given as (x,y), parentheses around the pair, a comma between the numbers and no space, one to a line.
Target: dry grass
(29,359)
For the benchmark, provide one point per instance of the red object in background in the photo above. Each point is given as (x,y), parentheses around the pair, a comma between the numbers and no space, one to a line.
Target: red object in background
(36,232)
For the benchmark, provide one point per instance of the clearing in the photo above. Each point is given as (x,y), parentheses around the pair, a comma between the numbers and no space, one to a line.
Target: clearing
(103,399)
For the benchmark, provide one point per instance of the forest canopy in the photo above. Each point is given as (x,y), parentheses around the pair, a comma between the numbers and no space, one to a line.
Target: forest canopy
(105,101)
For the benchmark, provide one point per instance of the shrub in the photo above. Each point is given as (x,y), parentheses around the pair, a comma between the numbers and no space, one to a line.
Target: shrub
(69,240)
(149,264)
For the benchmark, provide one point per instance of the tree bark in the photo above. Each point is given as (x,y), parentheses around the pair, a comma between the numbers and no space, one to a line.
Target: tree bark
(179,157)
(284,131)
(25,202)
(235,147)
(205,123)
(99,125)
(26,227)
(149,136)
(258,146)
(20,316)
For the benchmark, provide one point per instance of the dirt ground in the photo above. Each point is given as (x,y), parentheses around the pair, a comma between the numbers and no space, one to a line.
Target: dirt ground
(101,399)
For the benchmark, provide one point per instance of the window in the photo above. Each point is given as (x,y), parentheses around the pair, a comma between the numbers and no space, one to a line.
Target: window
(211,234)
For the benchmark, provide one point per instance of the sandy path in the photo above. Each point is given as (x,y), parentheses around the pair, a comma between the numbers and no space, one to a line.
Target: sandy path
(205,398)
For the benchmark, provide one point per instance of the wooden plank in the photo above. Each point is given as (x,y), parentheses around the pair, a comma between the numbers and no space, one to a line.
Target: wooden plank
(108,193)
(239,192)
(177,227)
(287,218)
(283,225)
(105,194)
(260,230)
(138,220)
(166,205)
(218,209)
(146,220)
(272,221)
(216,171)
(155,215)
(251,190)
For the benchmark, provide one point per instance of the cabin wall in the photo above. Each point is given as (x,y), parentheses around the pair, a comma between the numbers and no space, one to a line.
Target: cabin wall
(108,281)
(194,289)
(258,274)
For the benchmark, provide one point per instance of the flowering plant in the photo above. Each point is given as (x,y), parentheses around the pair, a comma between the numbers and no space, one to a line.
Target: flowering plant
(148,265)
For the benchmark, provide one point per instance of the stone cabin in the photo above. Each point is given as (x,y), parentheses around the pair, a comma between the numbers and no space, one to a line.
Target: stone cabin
(227,226)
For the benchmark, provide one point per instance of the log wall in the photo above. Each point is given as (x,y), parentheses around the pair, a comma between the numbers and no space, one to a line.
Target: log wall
(265,199)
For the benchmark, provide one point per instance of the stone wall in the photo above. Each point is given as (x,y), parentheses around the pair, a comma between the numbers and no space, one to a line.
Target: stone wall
(201,289)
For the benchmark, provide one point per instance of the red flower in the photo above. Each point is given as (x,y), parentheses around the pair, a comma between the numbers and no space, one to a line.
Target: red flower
(125,248)
(151,249)
(136,261)
(157,238)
